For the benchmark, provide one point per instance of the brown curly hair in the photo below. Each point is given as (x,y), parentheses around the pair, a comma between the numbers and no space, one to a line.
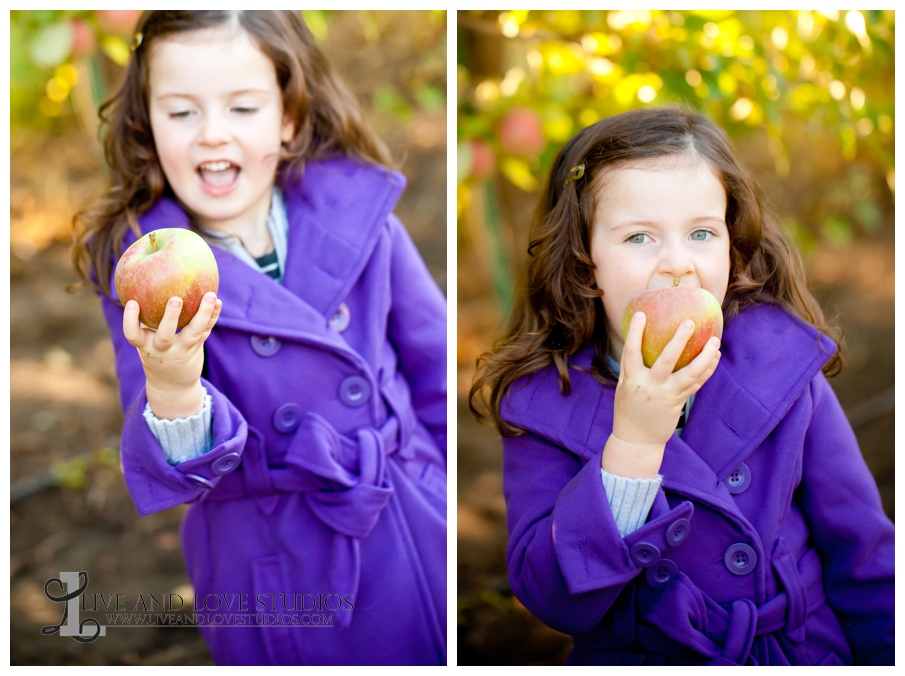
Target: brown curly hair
(328,121)
(556,311)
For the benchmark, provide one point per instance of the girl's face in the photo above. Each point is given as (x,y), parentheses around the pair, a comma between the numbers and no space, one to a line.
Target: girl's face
(656,221)
(217,117)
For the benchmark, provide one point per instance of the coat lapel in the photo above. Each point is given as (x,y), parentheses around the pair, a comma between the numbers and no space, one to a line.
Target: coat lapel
(769,358)
(336,213)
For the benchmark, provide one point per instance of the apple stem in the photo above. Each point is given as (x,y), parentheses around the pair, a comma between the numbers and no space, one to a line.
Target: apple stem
(151,238)
(675,282)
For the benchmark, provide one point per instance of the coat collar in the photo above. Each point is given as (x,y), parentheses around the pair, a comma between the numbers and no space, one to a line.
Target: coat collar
(336,212)
(768,359)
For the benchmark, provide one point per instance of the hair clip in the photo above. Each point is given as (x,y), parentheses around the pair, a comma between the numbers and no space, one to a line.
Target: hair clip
(136,41)
(575,173)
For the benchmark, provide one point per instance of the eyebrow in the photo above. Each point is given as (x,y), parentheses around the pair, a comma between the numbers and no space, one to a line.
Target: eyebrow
(238,92)
(645,223)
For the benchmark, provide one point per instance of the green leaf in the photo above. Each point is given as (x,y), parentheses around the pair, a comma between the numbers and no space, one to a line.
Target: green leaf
(387,99)
(869,214)
(51,45)
(430,97)
(837,229)
(463,161)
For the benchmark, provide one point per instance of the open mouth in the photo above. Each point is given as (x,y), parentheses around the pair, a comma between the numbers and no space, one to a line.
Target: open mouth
(220,174)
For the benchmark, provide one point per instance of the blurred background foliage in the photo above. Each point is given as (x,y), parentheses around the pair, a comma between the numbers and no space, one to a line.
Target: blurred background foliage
(806,86)
(65,63)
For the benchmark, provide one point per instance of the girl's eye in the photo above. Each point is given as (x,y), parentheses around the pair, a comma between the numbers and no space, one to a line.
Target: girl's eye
(637,239)
(243,110)
(701,235)
(181,114)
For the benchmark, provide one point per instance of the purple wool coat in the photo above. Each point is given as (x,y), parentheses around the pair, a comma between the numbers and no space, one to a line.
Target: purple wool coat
(766,544)
(325,492)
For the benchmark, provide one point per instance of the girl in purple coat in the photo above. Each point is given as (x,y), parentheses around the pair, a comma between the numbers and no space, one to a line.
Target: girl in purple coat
(720,513)
(302,411)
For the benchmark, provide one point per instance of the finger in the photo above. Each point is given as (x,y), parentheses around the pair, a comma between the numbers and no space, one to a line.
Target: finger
(667,360)
(631,350)
(166,331)
(199,327)
(131,328)
(699,370)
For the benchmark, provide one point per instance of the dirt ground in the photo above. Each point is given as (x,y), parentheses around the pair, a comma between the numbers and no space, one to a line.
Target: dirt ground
(70,510)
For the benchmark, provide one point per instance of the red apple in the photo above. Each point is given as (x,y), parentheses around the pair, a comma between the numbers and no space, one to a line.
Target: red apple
(522,133)
(83,38)
(162,264)
(483,161)
(119,22)
(665,309)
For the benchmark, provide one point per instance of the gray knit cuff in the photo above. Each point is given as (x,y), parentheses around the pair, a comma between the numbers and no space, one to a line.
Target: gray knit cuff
(630,499)
(183,438)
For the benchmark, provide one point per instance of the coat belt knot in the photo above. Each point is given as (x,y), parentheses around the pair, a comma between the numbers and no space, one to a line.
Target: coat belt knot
(724,636)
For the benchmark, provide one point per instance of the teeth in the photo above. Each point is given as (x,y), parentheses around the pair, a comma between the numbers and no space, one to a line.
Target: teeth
(216,166)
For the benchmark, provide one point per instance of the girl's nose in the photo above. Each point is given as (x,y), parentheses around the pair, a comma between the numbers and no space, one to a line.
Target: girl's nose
(675,261)
(214,131)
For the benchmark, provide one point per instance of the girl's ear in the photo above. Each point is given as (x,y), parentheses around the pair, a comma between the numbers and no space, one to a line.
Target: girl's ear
(288,131)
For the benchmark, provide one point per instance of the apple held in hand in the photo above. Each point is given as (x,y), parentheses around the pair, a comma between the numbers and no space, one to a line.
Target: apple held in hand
(665,309)
(162,264)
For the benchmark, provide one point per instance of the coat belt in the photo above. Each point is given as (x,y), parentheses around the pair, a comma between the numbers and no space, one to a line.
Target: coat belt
(343,481)
(726,636)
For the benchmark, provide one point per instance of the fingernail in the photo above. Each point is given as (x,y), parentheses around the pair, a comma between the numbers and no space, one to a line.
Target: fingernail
(715,341)
(174,302)
(688,324)
(209,298)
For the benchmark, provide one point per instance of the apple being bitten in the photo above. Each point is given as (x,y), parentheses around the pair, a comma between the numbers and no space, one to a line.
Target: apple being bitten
(162,264)
(665,309)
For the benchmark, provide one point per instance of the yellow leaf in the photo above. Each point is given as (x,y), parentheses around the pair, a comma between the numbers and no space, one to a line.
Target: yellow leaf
(518,173)
(116,49)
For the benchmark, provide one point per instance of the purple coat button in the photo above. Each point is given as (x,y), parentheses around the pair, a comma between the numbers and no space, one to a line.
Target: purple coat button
(740,559)
(265,346)
(340,319)
(200,480)
(739,479)
(287,418)
(644,554)
(355,391)
(658,576)
(677,531)
(225,464)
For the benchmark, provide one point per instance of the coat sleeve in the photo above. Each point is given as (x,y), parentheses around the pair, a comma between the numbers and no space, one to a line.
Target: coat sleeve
(853,535)
(417,330)
(567,561)
(153,483)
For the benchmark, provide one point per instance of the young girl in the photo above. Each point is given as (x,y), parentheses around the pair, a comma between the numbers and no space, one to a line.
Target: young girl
(302,411)
(721,513)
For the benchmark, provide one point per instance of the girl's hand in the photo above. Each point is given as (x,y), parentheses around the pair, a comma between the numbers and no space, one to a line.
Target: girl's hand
(649,401)
(173,361)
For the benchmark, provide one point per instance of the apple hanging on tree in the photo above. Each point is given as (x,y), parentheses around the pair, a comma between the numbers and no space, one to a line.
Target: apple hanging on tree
(522,133)
(162,264)
(664,310)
